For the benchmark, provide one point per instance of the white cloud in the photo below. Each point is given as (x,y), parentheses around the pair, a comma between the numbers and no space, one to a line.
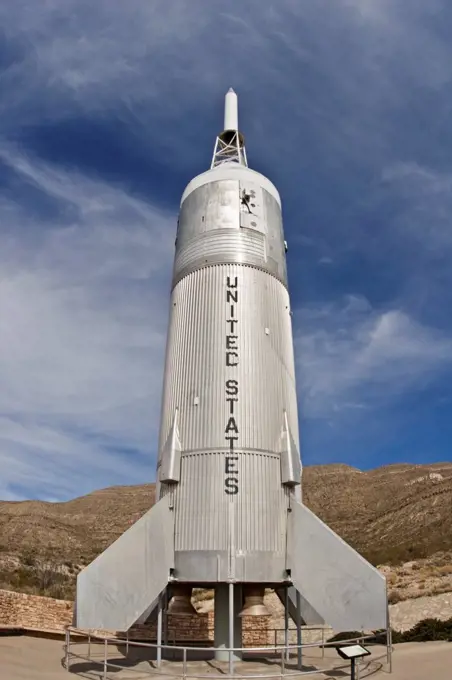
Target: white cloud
(82,333)
(94,56)
(426,196)
(84,295)
(352,356)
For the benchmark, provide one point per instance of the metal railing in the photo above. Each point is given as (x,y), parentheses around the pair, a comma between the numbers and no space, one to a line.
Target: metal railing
(280,654)
(287,631)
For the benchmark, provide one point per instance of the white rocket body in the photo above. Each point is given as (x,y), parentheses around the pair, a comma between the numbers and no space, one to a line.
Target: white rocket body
(229,471)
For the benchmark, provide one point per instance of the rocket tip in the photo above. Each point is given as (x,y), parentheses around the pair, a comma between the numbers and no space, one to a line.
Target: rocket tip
(230,111)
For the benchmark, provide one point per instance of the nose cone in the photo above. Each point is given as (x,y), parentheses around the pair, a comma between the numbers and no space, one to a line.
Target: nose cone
(231,111)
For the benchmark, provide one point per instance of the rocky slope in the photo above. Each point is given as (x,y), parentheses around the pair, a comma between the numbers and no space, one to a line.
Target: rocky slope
(398,516)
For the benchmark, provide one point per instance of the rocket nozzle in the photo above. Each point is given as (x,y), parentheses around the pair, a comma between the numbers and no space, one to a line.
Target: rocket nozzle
(180,603)
(254,602)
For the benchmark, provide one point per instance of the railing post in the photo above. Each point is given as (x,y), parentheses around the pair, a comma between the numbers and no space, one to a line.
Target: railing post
(286,622)
(282,663)
(165,620)
(89,645)
(159,632)
(68,642)
(299,639)
(360,661)
(231,628)
(105,659)
(390,648)
(323,643)
(184,663)
(127,643)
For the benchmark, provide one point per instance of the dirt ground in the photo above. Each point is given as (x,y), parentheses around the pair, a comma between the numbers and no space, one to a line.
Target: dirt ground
(28,658)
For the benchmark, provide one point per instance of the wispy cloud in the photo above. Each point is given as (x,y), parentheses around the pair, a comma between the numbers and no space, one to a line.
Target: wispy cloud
(353,356)
(425,199)
(82,332)
(358,122)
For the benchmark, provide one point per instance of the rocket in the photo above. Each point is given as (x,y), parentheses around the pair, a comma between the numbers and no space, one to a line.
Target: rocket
(229,513)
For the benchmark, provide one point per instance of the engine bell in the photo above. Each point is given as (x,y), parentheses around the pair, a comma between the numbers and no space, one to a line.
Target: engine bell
(254,602)
(180,603)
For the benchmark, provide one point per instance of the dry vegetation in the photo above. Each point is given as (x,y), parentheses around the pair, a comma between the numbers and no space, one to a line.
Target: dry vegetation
(430,576)
(398,516)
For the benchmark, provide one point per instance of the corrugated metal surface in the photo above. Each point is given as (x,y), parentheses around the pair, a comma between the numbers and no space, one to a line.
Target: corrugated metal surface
(203,519)
(260,505)
(222,245)
(230,321)
(195,372)
(202,506)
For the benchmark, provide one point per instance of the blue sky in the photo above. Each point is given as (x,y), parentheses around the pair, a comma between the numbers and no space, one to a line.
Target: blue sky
(108,109)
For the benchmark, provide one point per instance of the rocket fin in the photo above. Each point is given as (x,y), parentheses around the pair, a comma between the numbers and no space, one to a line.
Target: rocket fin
(122,585)
(170,458)
(290,457)
(308,614)
(338,583)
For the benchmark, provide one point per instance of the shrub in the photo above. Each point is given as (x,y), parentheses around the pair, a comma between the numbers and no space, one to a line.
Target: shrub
(28,558)
(394,597)
(345,635)
(427,630)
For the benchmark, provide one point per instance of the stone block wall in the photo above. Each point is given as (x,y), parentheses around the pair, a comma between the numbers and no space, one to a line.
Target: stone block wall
(44,613)
(200,628)
(31,611)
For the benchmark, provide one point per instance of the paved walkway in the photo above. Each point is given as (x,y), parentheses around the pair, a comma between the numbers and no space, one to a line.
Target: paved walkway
(27,658)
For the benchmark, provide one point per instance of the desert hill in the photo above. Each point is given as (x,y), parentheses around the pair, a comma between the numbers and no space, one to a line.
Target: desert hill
(392,515)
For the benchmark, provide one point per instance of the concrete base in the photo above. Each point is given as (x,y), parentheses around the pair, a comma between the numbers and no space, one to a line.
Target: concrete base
(222,620)
(37,658)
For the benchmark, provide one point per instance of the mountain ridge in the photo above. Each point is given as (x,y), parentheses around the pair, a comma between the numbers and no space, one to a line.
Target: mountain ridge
(393,514)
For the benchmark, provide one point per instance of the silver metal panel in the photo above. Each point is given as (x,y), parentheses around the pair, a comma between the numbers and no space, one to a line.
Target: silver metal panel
(216,225)
(240,536)
(214,207)
(196,371)
(231,171)
(210,566)
(125,581)
(202,566)
(171,455)
(226,245)
(347,591)
(252,213)
(220,204)
(260,567)
(290,458)
(275,235)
